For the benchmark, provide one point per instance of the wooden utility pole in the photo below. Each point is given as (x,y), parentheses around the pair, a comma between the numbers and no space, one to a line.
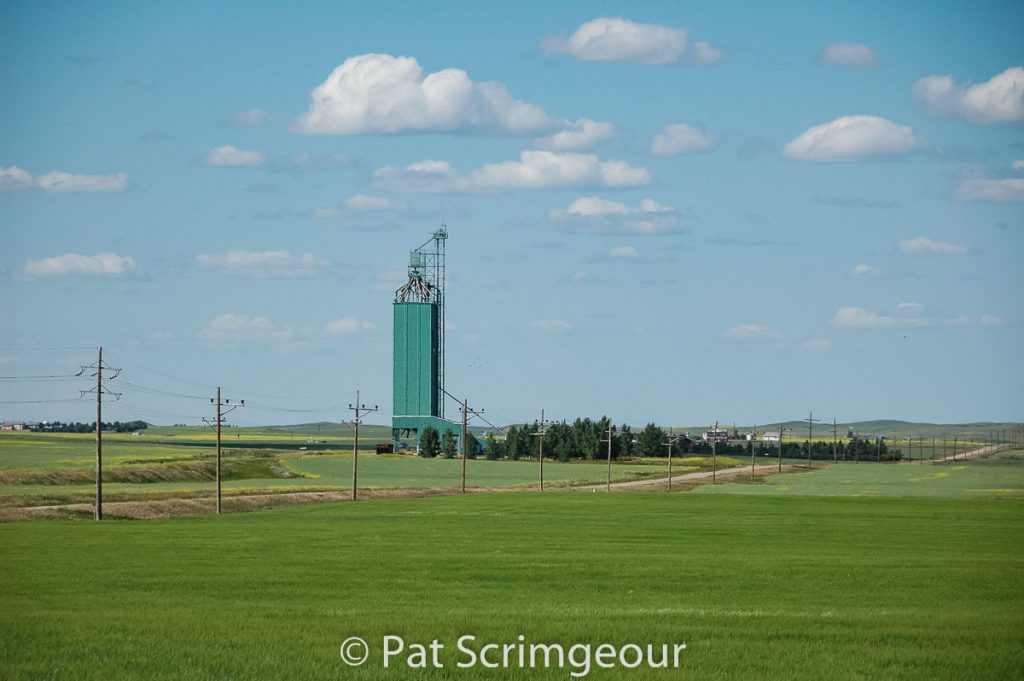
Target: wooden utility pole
(466,412)
(609,441)
(669,445)
(753,449)
(835,441)
(97,512)
(218,420)
(541,427)
(714,454)
(955,439)
(933,450)
(360,410)
(810,437)
(780,447)
(878,449)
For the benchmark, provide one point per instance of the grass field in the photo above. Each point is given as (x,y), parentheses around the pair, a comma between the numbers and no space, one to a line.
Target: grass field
(758,587)
(1000,476)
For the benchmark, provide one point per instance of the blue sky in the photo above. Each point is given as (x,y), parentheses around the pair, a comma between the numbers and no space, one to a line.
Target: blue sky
(670,212)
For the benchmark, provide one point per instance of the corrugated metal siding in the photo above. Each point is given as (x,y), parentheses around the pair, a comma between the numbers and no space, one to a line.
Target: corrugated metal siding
(415,359)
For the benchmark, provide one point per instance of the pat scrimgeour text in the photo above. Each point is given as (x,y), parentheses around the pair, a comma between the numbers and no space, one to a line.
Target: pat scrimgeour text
(579,658)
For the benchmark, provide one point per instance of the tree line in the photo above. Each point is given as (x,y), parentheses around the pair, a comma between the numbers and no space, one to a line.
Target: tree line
(587,439)
(76,427)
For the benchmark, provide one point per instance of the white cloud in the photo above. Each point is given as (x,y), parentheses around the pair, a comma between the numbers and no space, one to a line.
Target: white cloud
(380,93)
(326,212)
(623,252)
(910,307)
(582,135)
(553,325)
(848,54)
(992,320)
(1017,165)
(57,181)
(348,326)
(251,118)
(922,245)
(705,53)
(859,318)
(364,202)
(1010,189)
(680,138)
(231,156)
(998,100)
(241,328)
(595,214)
(750,332)
(863,271)
(75,265)
(618,39)
(849,138)
(535,169)
(14,178)
(264,264)
(816,345)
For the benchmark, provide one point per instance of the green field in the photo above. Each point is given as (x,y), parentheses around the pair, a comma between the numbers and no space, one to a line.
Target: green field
(999,476)
(758,587)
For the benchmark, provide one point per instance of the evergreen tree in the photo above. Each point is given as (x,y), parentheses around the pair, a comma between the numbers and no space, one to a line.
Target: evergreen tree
(430,442)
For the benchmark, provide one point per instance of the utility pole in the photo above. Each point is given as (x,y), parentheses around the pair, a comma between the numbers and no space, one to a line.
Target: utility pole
(541,427)
(753,449)
(835,441)
(780,447)
(218,420)
(669,445)
(878,449)
(360,410)
(714,454)
(609,441)
(945,453)
(933,450)
(810,437)
(466,411)
(97,513)
(955,439)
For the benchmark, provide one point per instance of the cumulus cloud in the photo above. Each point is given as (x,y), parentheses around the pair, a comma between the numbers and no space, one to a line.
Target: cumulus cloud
(263,264)
(705,53)
(750,332)
(816,345)
(582,135)
(1017,165)
(623,252)
(231,156)
(849,138)
(348,326)
(553,325)
(15,178)
(859,318)
(848,54)
(679,138)
(595,214)
(998,100)
(535,169)
(251,118)
(364,202)
(863,271)
(618,39)
(1009,189)
(57,181)
(922,245)
(241,328)
(381,93)
(992,320)
(76,265)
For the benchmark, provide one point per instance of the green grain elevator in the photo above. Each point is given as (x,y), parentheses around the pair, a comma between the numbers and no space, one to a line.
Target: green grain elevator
(418,348)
